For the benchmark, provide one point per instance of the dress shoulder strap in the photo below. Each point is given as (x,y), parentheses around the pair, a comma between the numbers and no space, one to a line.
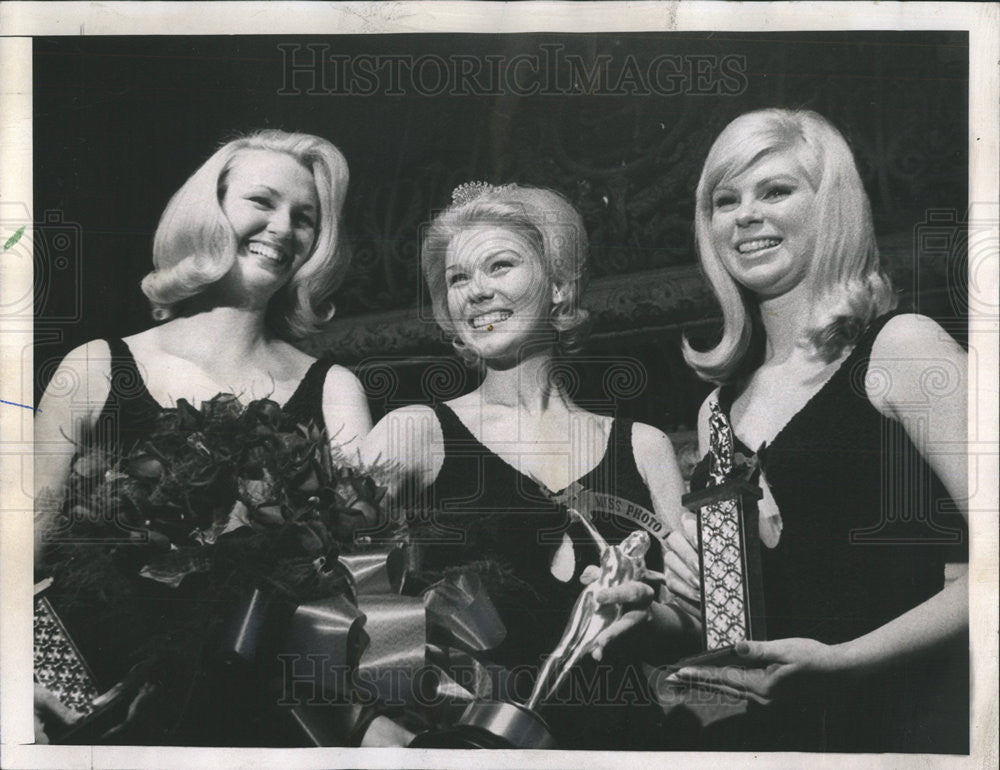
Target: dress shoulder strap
(306,403)
(863,347)
(453,430)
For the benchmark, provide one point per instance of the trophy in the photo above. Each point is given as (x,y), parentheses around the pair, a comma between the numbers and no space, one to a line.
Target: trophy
(728,550)
(507,725)
(61,669)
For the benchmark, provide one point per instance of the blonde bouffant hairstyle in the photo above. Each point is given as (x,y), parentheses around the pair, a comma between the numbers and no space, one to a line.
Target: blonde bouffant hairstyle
(849,287)
(548,220)
(195,245)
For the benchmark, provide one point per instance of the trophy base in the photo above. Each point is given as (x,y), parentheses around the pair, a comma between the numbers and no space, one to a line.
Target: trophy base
(486,725)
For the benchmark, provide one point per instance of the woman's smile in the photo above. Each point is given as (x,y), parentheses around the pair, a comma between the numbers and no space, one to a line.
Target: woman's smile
(757,245)
(489,320)
(763,227)
(271,203)
(496,290)
(277,255)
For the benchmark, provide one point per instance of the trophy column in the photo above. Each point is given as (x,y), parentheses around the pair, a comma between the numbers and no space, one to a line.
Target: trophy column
(728,549)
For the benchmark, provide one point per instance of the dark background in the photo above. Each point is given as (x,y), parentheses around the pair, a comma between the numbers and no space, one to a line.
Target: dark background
(121,122)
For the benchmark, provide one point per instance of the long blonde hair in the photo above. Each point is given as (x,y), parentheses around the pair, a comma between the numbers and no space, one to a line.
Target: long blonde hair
(849,288)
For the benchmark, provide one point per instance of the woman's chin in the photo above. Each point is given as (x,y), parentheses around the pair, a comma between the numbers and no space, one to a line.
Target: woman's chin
(500,353)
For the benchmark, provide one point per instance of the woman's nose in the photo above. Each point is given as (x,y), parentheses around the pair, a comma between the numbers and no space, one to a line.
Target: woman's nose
(748,214)
(480,287)
(279,223)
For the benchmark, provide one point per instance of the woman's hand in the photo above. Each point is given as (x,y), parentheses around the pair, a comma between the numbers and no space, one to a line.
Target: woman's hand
(680,560)
(637,599)
(51,716)
(771,670)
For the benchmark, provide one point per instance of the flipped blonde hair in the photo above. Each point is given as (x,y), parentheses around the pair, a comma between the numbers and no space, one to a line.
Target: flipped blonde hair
(849,287)
(195,245)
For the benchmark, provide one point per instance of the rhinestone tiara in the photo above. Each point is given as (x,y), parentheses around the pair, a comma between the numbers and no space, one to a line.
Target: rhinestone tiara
(470,191)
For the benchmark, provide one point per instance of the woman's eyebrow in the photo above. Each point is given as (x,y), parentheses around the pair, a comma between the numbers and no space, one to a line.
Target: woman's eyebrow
(777,178)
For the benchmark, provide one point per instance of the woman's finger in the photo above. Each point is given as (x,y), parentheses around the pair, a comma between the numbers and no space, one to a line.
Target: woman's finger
(50,709)
(630,592)
(684,590)
(678,569)
(682,550)
(590,573)
(625,623)
(689,524)
(755,683)
(651,575)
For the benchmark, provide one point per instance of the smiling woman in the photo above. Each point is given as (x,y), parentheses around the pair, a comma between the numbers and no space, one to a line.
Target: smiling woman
(761,223)
(245,259)
(484,481)
(862,485)
(271,202)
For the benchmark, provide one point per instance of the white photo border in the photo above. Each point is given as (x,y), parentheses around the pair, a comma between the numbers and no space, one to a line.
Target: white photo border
(19,22)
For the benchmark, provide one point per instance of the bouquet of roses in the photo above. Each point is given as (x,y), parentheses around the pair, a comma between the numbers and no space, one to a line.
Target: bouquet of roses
(224,499)
(253,472)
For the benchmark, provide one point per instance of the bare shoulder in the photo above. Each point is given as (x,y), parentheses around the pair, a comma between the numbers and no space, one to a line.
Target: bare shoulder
(914,361)
(657,463)
(415,417)
(91,362)
(911,332)
(340,378)
(409,437)
(82,376)
(650,442)
(404,431)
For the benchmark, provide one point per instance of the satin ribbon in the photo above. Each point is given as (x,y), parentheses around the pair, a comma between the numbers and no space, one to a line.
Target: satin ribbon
(381,643)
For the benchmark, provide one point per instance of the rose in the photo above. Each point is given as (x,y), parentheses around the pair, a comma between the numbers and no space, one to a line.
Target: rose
(145,467)
(222,408)
(262,416)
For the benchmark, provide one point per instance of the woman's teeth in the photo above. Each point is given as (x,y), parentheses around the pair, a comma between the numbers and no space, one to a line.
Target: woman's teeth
(757,245)
(268,252)
(489,319)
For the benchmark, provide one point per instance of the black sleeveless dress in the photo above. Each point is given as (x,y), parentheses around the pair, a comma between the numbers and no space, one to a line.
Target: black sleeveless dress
(486,511)
(130,410)
(867,527)
(114,618)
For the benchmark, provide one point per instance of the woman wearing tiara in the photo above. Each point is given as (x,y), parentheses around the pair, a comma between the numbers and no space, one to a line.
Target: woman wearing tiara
(245,259)
(857,417)
(505,267)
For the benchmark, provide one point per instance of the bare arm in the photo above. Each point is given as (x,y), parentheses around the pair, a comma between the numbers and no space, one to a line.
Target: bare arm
(345,411)
(69,407)
(409,443)
(673,629)
(917,376)
(657,463)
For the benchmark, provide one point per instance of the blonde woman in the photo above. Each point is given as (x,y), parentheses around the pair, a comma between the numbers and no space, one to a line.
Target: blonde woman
(857,417)
(505,267)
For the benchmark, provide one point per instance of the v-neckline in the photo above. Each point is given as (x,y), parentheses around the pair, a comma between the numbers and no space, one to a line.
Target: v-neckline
(727,407)
(522,474)
(149,395)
